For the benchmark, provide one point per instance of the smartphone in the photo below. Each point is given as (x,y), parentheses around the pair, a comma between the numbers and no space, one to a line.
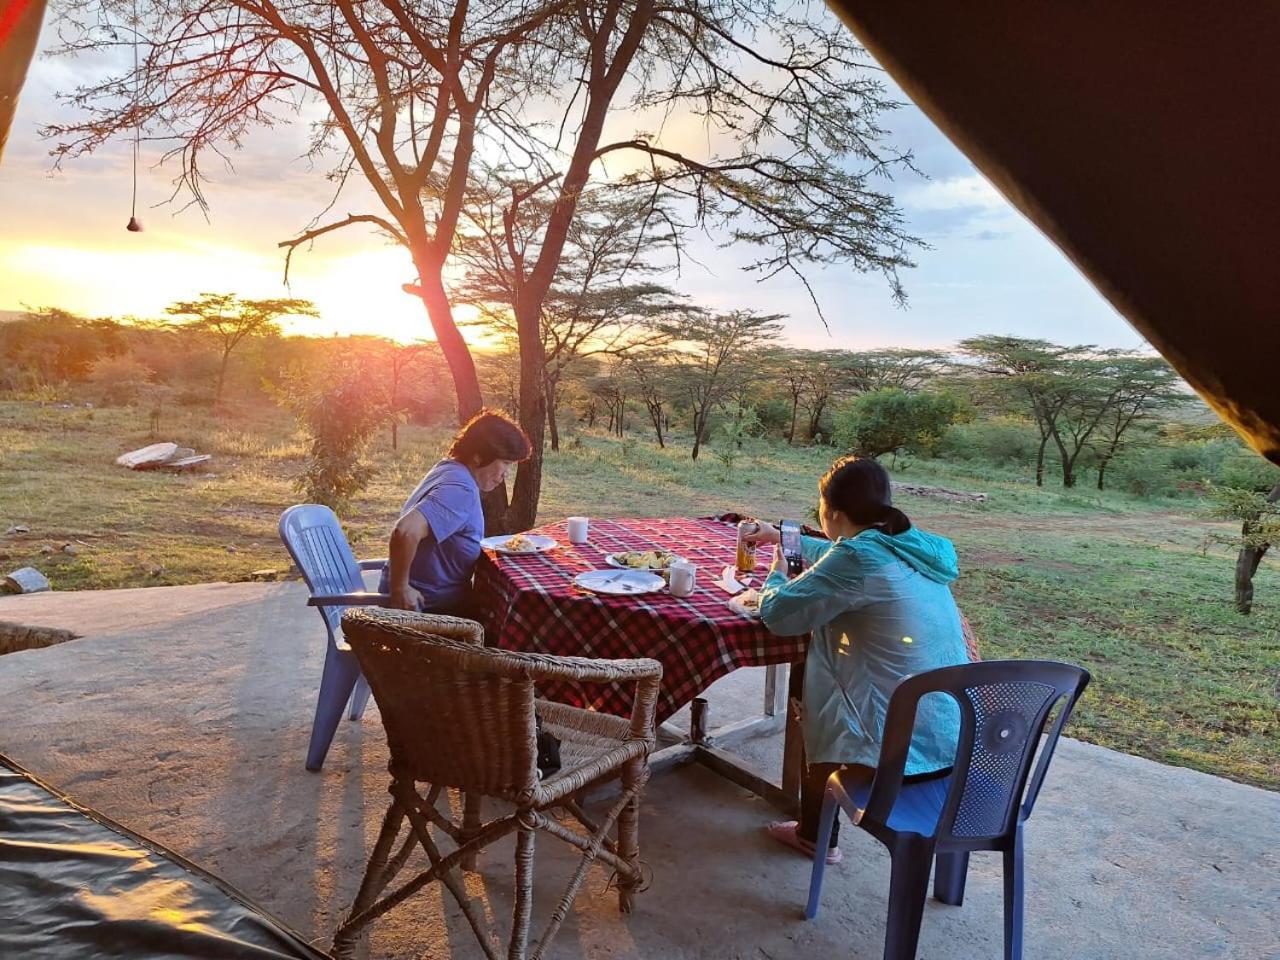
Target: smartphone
(790,546)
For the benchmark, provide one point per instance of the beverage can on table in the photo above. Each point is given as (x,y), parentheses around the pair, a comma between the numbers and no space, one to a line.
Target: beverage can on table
(746,558)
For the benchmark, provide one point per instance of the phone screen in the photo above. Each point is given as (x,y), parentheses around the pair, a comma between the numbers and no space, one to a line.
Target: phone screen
(789,531)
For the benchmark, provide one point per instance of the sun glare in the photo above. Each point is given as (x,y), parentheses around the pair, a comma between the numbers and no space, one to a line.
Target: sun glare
(356,292)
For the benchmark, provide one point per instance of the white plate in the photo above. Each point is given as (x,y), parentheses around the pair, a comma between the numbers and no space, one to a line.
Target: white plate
(499,544)
(625,584)
(611,560)
(750,608)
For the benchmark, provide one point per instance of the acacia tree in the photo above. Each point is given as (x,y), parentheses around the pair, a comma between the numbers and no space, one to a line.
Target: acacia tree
(650,371)
(714,353)
(1144,386)
(1026,374)
(1258,512)
(821,382)
(786,368)
(904,368)
(406,97)
(231,321)
(600,304)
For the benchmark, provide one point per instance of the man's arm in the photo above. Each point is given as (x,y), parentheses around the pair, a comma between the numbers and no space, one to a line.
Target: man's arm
(409,531)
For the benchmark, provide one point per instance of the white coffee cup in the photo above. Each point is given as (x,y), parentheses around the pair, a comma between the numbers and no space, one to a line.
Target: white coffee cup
(577,529)
(683,575)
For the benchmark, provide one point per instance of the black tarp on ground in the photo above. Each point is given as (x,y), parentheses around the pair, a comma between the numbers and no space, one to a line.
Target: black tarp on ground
(73,884)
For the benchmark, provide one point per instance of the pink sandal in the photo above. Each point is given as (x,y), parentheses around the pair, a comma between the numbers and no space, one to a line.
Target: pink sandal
(784,831)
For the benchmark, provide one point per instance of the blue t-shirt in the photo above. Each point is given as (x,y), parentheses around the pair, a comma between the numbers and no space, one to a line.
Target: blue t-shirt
(449,498)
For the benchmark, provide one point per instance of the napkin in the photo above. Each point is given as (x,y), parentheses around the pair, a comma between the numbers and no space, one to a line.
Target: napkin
(728,582)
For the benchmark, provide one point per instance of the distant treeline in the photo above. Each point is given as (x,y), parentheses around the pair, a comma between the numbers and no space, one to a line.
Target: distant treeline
(1021,407)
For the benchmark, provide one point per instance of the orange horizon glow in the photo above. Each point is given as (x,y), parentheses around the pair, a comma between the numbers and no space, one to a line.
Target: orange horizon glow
(357,292)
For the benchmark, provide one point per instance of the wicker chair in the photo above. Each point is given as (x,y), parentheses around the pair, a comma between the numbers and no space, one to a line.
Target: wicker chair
(461,715)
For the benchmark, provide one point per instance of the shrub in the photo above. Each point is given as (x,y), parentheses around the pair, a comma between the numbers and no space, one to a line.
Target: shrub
(339,410)
(1004,441)
(1145,472)
(118,380)
(889,420)
(1246,470)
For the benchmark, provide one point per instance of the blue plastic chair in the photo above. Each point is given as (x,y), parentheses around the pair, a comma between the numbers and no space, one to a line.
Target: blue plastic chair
(981,805)
(314,538)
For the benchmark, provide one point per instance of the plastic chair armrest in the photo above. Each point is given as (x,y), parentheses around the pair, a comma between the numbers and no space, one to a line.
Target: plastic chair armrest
(372,564)
(361,599)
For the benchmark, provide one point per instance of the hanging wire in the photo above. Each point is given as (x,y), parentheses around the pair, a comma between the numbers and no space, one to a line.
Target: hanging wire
(135,226)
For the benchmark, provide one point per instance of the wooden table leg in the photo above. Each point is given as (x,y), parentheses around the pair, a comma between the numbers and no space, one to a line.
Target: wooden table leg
(793,739)
(471,815)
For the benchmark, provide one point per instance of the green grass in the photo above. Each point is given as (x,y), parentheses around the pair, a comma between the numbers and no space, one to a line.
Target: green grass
(1131,588)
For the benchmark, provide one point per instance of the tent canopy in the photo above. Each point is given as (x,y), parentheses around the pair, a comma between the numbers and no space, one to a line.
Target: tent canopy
(1140,137)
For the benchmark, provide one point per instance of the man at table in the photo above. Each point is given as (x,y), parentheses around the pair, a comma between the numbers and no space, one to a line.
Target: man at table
(436,541)
(877,601)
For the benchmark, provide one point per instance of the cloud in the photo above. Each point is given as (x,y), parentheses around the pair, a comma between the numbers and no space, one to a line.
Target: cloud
(970,192)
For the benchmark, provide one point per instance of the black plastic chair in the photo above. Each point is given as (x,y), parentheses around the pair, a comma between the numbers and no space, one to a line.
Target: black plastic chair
(981,805)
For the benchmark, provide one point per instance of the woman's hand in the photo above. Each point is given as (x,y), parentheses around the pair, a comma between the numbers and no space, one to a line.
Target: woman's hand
(780,563)
(764,533)
(405,598)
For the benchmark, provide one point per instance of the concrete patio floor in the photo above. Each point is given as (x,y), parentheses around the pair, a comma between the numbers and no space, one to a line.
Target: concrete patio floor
(184,713)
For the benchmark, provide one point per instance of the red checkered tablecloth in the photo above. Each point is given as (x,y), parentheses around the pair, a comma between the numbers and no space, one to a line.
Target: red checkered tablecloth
(530,603)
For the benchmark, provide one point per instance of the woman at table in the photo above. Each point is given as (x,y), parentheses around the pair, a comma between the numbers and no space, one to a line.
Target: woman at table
(436,541)
(877,601)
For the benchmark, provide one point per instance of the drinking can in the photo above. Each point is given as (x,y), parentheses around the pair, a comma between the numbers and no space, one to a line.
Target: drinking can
(746,559)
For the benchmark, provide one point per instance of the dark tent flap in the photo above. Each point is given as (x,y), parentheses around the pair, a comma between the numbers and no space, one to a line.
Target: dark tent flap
(73,884)
(1140,138)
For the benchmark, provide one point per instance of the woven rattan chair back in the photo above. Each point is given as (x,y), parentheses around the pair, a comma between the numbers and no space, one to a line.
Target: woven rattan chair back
(456,714)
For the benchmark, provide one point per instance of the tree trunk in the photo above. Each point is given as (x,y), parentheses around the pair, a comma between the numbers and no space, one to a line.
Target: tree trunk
(1044,440)
(462,367)
(552,426)
(1249,559)
(1068,462)
(1102,469)
(222,376)
(533,420)
(1246,566)
(791,434)
(697,434)
(395,432)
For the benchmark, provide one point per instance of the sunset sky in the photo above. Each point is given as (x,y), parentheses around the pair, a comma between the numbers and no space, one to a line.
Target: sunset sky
(63,243)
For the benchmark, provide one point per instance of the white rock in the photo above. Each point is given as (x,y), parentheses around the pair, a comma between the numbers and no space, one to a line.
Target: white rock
(25,580)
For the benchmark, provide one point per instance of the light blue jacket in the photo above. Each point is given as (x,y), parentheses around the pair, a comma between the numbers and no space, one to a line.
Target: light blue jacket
(880,608)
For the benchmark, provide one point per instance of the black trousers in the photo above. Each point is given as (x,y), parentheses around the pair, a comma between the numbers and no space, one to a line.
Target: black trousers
(814,787)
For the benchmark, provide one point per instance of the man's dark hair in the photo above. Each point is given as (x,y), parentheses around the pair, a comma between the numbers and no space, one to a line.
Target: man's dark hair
(859,488)
(490,436)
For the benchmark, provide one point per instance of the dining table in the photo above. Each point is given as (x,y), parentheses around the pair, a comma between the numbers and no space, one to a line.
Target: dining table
(530,602)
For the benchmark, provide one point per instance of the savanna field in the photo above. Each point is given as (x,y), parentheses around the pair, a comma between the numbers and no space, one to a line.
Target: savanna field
(1137,590)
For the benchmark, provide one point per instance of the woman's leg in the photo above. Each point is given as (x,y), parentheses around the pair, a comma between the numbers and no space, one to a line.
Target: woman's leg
(812,790)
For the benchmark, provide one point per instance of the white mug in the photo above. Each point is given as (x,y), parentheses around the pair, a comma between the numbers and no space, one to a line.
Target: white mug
(683,575)
(577,529)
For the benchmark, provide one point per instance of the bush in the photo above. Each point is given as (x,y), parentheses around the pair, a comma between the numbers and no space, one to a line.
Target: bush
(1246,470)
(118,380)
(1145,472)
(1003,441)
(889,420)
(339,410)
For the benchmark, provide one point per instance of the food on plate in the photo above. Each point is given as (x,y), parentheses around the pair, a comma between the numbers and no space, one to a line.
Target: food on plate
(645,559)
(519,543)
(746,603)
